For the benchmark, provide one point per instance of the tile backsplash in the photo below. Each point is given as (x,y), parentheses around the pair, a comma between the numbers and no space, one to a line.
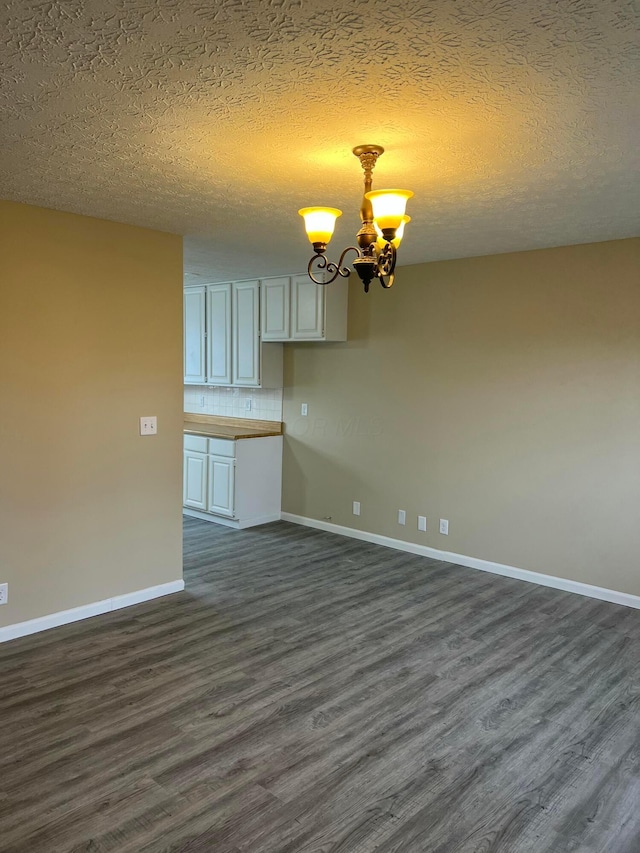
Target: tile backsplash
(265,403)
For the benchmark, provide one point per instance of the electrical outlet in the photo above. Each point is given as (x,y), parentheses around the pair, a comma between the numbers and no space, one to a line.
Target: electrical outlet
(4,593)
(402,516)
(247,404)
(356,507)
(202,402)
(149,425)
(444,526)
(422,523)
(304,410)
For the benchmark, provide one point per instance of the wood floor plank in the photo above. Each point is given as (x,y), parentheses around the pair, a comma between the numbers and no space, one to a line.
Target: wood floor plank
(309,693)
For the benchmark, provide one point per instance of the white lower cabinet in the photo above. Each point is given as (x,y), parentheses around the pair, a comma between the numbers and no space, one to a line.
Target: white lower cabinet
(221,483)
(236,483)
(195,480)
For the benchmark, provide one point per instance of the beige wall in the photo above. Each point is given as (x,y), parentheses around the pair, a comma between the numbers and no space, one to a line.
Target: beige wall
(90,340)
(501,393)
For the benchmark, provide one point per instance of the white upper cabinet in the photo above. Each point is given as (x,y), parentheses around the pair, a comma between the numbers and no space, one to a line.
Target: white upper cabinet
(246,333)
(222,344)
(296,309)
(275,304)
(307,308)
(233,332)
(219,333)
(194,336)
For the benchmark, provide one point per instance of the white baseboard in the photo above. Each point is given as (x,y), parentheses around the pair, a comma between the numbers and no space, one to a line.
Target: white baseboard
(236,524)
(76,614)
(564,584)
(258,519)
(212,519)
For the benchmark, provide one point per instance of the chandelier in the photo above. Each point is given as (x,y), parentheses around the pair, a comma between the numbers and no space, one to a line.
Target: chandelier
(383,221)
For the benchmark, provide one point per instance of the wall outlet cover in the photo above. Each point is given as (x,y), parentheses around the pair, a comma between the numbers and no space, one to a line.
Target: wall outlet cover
(402,516)
(356,507)
(304,410)
(444,526)
(422,523)
(4,593)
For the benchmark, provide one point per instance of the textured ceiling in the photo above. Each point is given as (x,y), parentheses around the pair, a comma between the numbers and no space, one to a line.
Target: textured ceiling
(516,123)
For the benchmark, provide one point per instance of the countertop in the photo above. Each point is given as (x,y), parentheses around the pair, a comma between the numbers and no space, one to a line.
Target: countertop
(213,426)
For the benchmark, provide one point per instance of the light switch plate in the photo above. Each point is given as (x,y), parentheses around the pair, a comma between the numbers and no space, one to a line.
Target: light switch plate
(304,410)
(402,516)
(422,523)
(4,593)
(444,526)
(356,507)
(149,425)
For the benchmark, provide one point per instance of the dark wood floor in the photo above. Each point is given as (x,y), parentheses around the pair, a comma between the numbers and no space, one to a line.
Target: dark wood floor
(313,693)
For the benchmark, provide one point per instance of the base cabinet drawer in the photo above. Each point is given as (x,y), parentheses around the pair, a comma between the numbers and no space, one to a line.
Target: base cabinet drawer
(198,443)
(222,447)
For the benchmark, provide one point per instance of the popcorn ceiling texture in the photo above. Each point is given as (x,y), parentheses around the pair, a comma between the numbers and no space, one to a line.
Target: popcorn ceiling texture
(516,123)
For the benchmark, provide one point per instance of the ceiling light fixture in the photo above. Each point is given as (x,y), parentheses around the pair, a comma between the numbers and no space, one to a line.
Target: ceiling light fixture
(383,222)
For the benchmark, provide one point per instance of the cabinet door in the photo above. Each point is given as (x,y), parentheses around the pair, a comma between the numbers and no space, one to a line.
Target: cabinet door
(194,336)
(219,334)
(246,333)
(275,297)
(195,480)
(307,309)
(221,485)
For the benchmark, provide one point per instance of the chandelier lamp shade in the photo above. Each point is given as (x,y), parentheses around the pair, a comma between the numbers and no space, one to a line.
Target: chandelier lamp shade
(383,222)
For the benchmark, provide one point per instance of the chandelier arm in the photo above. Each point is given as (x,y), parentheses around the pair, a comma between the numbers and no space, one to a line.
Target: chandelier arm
(322,264)
(387,260)
(345,272)
(385,266)
(334,270)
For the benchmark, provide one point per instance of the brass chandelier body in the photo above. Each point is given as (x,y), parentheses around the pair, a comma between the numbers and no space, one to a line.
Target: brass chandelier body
(377,239)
